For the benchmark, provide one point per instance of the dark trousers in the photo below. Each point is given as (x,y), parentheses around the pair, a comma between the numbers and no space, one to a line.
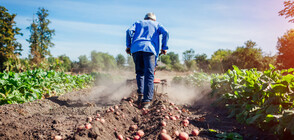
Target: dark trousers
(144,66)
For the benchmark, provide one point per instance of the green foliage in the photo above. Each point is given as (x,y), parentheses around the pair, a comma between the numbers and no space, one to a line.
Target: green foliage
(165,59)
(83,61)
(9,47)
(61,63)
(229,136)
(66,62)
(202,61)
(188,55)
(288,11)
(120,60)
(172,62)
(245,57)
(41,35)
(261,98)
(191,65)
(13,65)
(37,84)
(217,59)
(178,67)
(285,47)
(197,79)
(165,67)
(102,61)
(267,60)
(174,58)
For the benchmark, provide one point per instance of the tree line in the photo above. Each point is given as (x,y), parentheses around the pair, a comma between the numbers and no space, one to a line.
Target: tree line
(39,40)
(245,56)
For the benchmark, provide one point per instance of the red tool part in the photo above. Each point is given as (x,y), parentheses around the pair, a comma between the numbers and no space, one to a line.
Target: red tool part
(156,80)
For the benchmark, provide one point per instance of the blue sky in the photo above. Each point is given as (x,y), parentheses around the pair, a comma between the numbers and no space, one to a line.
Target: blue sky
(206,26)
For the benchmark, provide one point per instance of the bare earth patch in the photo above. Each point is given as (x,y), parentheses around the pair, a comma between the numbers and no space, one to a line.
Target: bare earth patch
(67,115)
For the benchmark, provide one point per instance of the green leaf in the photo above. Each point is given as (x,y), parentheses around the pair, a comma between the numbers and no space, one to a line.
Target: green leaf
(272,109)
(33,95)
(229,136)
(272,66)
(270,117)
(212,130)
(288,78)
(279,88)
(251,120)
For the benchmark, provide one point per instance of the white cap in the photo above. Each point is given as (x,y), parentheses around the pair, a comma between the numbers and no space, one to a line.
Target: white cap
(150,16)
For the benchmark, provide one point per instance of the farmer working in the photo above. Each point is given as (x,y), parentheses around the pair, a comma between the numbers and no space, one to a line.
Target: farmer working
(142,40)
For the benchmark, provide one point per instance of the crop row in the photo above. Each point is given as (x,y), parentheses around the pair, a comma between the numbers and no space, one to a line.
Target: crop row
(37,84)
(264,99)
(197,79)
(261,98)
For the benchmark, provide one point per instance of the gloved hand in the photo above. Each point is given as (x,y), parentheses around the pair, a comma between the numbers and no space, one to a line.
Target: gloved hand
(163,52)
(128,50)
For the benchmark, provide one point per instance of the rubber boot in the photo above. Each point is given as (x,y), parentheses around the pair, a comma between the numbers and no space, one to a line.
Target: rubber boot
(146,105)
(139,101)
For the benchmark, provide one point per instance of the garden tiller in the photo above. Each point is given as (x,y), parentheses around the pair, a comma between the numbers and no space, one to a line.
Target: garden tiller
(160,85)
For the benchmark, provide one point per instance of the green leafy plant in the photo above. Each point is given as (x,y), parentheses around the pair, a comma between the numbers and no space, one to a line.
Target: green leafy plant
(264,99)
(197,79)
(37,84)
(229,136)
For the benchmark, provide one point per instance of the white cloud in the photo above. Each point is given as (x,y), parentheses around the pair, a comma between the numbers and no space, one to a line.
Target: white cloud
(77,27)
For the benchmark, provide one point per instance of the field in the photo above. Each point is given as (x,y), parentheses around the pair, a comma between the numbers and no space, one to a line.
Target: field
(209,84)
(64,115)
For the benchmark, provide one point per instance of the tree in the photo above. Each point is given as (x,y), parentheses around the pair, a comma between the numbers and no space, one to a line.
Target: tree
(102,61)
(188,56)
(83,61)
(109,61)
(120,60)
(268,59)
(174,58)
(245,57)
(65,62)
(97,61)
(217,59)
(202,61)
(54,64)
(9,47)
(41,35)
(288,11)
(165,59)
(285,48)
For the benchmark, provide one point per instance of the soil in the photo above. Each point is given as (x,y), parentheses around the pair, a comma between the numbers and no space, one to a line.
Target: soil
(67,115)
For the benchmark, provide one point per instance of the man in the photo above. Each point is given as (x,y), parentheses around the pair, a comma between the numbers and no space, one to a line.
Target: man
(142,40)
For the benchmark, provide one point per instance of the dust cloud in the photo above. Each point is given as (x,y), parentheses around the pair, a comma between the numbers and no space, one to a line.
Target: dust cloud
(109,93)
(104,95)
(183,95)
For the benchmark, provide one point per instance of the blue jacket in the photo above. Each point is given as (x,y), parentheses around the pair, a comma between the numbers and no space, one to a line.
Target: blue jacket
(144,36)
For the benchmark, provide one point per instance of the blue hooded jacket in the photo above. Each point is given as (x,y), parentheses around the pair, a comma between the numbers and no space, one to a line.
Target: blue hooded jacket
(144,36)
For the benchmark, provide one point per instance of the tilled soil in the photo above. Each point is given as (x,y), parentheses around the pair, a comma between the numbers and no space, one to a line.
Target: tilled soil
(70,118)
